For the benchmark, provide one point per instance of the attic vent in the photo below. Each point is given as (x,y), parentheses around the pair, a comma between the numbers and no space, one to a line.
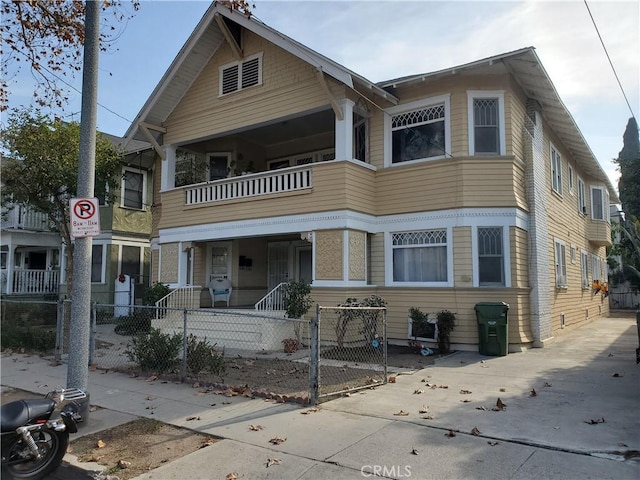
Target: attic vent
(240,75)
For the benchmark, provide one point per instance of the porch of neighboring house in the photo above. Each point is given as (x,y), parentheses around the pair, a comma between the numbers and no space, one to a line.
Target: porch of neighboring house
(29,255)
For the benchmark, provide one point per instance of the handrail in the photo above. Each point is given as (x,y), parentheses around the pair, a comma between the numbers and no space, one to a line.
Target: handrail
(181,297)
(35,281)
(274,300)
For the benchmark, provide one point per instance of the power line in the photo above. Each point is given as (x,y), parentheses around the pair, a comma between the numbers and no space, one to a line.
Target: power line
(610,62)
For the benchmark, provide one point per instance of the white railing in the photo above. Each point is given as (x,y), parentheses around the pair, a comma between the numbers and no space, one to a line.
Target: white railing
(274,300)
(35,281)
(252,185)
(26,218)
(182,297)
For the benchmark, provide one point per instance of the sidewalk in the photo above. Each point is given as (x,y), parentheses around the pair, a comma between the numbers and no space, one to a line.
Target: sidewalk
(541,436)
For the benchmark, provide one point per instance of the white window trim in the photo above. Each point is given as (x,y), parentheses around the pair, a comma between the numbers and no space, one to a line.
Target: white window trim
(103,273)
(571,178)
(584,275)
(596,267)
(581,186)
(239,64)
(208,156)
(605,201)
(561,280)
(228,246)
(471,96)
(408,107)
(506,256)
(144,188)
(140,260)
(558,175)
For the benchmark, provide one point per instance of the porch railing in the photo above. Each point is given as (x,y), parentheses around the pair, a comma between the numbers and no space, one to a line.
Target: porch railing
(252,185)
(274,300)
(35,281)
(26,218)
(182,297)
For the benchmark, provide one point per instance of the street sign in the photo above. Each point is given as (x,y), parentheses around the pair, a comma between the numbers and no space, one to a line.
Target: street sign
(85,217)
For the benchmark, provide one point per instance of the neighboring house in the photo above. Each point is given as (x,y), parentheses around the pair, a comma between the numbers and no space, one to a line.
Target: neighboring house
(621,294)
(33,257)
(438,190)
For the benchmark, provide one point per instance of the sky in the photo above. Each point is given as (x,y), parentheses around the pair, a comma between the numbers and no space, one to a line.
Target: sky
(381,40)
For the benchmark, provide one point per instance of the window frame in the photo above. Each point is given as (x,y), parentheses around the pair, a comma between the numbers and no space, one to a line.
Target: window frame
(486,94)
(584,269)
(596,268)
(604,203)
(560,253)
(570,179)
(239,64)
(506,278)
(582,197)
(208,156)
(140,275)
(389,265)
(411,107)
(123,188)
(556,169)
(103,263)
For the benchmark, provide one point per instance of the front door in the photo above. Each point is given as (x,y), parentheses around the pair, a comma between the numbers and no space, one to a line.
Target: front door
(278,268)
(305,264)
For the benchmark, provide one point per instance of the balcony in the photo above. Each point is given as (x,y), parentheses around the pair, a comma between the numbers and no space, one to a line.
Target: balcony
(24,218)
(599,233)
(31,282)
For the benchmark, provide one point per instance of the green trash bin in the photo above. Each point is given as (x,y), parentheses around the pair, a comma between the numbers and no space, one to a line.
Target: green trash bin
(493,328)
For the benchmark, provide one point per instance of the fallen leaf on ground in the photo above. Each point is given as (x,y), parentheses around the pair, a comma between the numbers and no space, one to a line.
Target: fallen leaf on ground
(443,386)
(595,421)
(123,464)
(546,384)
(450,433)
(401,413)
(207,442)
(427,417)
(255,428)
(152,378)
(480,408)
(150,397)
(465,392)
(273,461)
(192,418)
(466,400)
(418,391)
(415,452)
(533,392)
(96,458)
(231,476)
(278,440)
(503,389)
(475,431)
(423,409)
(500,405)
(196,385)
(616,375)
(492,443)
(100,444)
(310,410)
(392,379)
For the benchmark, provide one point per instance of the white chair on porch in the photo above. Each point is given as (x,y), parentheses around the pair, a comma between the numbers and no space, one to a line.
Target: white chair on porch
(220,288)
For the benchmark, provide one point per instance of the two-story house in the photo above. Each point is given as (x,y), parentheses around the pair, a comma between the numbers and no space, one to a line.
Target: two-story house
(438,190)
(33,256)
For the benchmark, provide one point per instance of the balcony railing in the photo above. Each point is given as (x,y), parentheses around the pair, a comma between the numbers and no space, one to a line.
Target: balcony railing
(35,282)
(25,218)
(252,185)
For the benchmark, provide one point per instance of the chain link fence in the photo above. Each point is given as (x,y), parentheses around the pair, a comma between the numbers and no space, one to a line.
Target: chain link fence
(351,349)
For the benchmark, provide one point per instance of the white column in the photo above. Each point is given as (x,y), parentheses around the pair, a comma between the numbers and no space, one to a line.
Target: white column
(10,268)
(168,175)
(344,131)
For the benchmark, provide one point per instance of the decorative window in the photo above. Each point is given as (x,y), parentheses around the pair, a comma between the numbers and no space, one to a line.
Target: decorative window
(486,123)
(97,263)
(131,262)
(599,203)
(584,268)
(219,165)
(556,171)
(490,256)
(190,168)
(570,179)
(134,184)
(240,75)
(560,249)
(220,261)
(420,257)
(418,131)
(582,202)
(360,124)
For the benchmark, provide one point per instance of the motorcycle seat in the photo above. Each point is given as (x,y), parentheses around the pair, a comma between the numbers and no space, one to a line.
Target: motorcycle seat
(22,412)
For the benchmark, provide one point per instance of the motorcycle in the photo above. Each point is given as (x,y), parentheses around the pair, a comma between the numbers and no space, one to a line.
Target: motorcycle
(35,433)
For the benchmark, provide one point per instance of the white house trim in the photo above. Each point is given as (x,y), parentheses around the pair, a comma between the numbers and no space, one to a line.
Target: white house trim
(499,94)
(506,255)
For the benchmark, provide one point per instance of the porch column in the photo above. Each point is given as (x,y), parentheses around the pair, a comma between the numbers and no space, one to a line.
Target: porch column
(184,268)
(10,259)
(168,175)
(344,131)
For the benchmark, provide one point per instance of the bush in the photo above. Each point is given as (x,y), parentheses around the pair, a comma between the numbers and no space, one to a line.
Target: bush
(155,351)
(139,322)
(154,293)
(202,356)
(30,338)
(297,299)
(446,324)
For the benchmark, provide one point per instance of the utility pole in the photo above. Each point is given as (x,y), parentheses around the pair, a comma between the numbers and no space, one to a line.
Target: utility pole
(78,369)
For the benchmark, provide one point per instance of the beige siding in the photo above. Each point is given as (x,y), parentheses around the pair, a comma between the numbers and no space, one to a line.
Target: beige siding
(519,245)
(376,264)
(357,255)
(462,257)
(169,263)
(518,111)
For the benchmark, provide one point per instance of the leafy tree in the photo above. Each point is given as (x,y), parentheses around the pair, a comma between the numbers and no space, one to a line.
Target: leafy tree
(40,168)
(629,250)
(629,162)
(47,37)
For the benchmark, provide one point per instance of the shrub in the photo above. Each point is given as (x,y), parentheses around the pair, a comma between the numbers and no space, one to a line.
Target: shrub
(155,350)
(420,326)
(202,356)
(446,324)
(139,322)
(297,299)
(28,337)
(154,293)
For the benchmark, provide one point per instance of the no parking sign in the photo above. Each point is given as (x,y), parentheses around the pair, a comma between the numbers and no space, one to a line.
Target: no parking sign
(85,217)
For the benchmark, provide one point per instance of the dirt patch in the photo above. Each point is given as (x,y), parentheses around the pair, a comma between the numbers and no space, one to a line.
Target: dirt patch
(136,447)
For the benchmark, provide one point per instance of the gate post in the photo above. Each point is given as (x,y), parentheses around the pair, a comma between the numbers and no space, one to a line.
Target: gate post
(314,357)
(183,372)
(59,332)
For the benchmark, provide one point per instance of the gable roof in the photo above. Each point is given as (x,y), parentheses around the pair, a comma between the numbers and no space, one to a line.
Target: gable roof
(525,66)
(203,43)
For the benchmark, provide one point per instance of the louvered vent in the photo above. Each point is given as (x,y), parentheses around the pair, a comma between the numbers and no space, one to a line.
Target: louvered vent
(230,79)
(251,72)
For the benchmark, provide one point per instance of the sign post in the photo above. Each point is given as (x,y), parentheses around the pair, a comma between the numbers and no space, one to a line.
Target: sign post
(85,217)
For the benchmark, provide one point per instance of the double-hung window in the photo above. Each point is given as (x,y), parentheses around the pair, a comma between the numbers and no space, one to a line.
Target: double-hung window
(570,179)
(582,202)
(98,255)
(133,188)
(418,131)
(240,75)
(420,256)
(595,268)
(556,171)
(599,203)
(486,122)
(560,250)
(584,268)
(131,262)
(490,256)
